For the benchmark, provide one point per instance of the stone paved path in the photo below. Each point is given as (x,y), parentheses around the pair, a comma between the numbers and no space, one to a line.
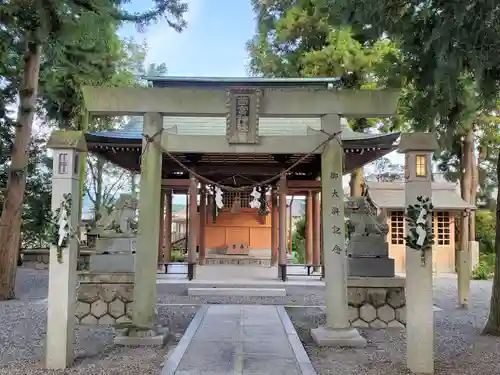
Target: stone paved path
(232,339)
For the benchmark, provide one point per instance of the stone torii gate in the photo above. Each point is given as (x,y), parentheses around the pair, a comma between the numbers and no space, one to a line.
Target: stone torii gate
(243,104)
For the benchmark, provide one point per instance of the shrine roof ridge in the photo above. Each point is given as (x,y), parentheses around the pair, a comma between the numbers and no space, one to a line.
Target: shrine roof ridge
(257,82)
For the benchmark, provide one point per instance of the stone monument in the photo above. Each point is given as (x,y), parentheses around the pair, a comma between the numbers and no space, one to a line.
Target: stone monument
(116,242)
(418,149)
(67,146)
(367,249)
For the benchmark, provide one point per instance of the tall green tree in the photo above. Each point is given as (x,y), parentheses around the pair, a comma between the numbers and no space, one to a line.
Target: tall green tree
(449,51)
(299,39)
(40,28)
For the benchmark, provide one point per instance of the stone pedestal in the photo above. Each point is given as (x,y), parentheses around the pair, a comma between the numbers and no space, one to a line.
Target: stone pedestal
(116,243)
(112,263)
(132,336)
(369,256)
(116,253)
(348,337)
(377,302)
(104,298)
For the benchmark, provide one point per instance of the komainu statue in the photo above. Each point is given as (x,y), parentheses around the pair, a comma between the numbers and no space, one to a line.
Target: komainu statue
(362,216)
(367,249)
(120,219)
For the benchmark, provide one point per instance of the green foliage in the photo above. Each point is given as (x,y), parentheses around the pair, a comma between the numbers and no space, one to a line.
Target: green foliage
(299,241)
(485,231)
(177,256)
(300,39)
(485,268)
(412,215)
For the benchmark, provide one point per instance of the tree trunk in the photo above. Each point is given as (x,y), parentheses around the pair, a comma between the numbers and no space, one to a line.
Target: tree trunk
(133,185)
(493,323)
(10,221)
(356,183)
(473,192)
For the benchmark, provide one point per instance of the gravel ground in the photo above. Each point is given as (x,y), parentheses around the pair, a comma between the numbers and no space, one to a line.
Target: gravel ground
(460,349)
(459,346)
(22,336)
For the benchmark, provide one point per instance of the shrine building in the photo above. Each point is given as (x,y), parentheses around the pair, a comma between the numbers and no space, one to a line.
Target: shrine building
(237,233)
(389,197)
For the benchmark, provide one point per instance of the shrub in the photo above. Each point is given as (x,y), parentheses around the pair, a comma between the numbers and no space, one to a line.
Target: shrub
(485,231)
(485,268)
(177,256)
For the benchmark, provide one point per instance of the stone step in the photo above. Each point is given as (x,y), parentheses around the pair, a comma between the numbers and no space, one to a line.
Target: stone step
(251,292)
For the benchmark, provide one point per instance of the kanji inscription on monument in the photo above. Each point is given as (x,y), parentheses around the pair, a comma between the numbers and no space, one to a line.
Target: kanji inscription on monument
(337,249)
(242,122)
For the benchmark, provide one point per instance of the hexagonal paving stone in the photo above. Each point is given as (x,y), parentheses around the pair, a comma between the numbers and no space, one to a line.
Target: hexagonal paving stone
(395,324)
(108,292)
(116,308)
(123,319)
(107,320)
(376,296)
(82,309)
(353,313)
(88,293)
(386,313)
(126,292)
(401,314)
(356,296)
(359,323)
(367,312)
(90,320)
(378,324)
(99,308)
(128,309)
(396,297)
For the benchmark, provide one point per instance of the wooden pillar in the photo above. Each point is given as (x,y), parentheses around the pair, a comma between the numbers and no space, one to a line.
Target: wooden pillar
(316,229)
(210,207)
(309,228)
(202,224)
(161,241)
(193,211)
(274,226)
(167,249)
(290,224)
(282,229)
(186,224)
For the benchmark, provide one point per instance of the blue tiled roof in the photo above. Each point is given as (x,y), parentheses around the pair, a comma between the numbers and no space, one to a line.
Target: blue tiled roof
(131,130)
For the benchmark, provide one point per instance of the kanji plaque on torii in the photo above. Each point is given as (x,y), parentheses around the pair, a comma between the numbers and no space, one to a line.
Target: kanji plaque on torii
(242,122)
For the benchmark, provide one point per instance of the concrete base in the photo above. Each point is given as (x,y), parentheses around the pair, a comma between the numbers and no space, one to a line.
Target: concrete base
(348,337)
(253,292)
(140,337)
(370,267)
(110,263)
(117,243)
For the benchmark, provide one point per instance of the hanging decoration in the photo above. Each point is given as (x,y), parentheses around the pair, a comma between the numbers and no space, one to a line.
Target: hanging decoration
(61,230)
(218,198)
(263,204)
(236,206)
(255,202)
(259,195)
(420,234)
(217,202)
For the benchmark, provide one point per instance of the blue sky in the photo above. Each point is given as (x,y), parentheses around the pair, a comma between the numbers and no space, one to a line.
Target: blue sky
(213,44)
